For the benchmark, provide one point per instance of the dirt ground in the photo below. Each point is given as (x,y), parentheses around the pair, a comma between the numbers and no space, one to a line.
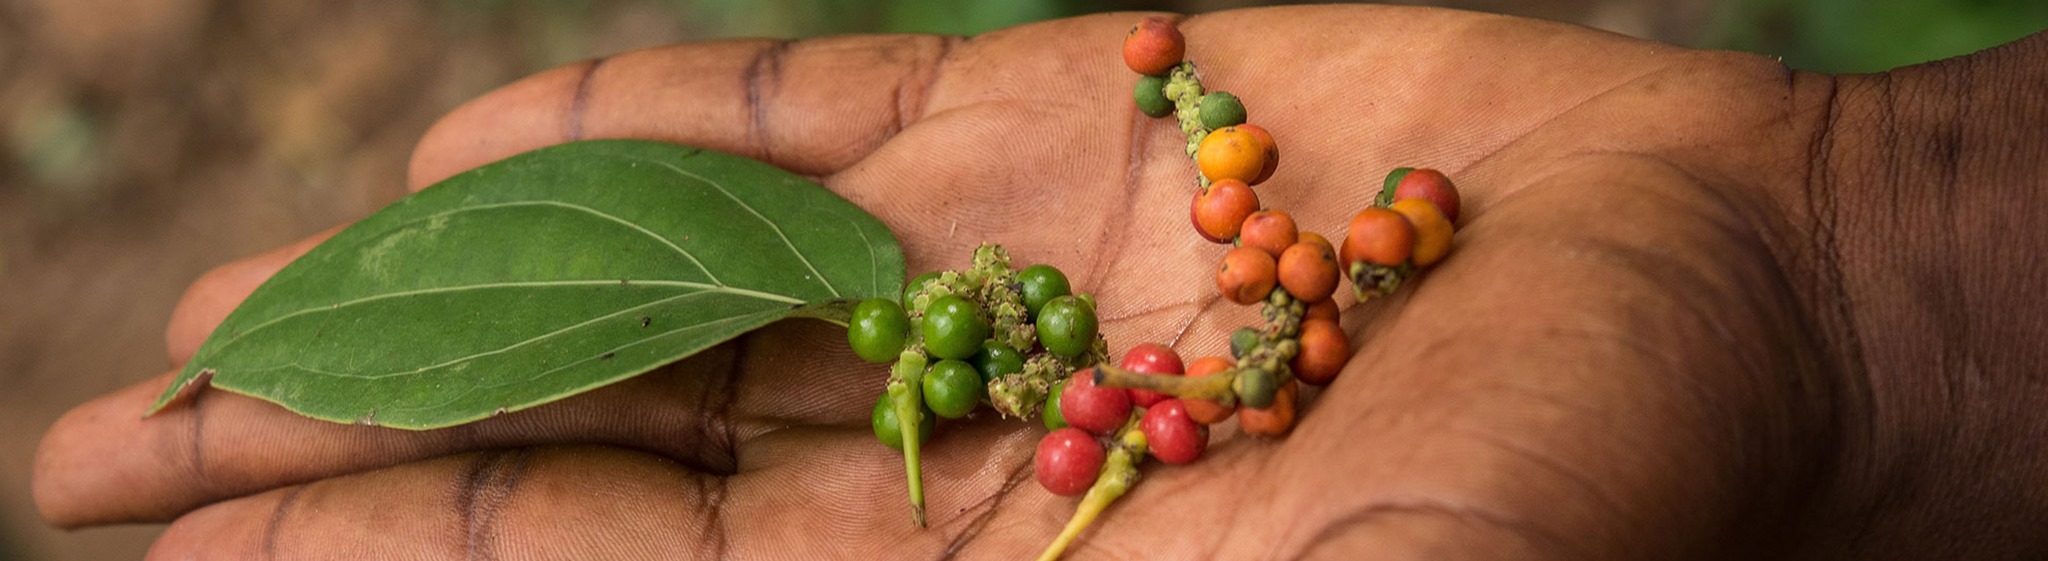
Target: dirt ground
(145,142)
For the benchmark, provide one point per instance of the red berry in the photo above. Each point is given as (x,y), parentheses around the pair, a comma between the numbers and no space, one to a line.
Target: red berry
(1154,46)
(1151,358)
(1431,185)
(1171,435)
(1093,408)
(1068,461)
(1219,210)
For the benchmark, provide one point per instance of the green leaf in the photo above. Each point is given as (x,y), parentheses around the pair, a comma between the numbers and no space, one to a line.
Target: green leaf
(542,276)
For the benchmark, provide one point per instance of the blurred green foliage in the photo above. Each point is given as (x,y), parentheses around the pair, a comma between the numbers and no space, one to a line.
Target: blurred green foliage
(1872,35)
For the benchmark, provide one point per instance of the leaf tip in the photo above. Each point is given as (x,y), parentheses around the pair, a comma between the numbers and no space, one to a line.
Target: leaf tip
(181,391)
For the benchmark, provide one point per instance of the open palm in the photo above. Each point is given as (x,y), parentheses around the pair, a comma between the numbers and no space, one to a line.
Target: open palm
(1611,363)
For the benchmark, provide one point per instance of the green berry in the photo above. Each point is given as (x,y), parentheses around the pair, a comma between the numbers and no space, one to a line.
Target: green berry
(1220,109)
(952,388)
(954,328)
(1088,299)
(877,330)
(918,282)
(1242,341)
(1051,413)
(1042,283)
(1151,94)
(1067,326)
(1255,387)
(886,430)
(997,359)
(1387,187)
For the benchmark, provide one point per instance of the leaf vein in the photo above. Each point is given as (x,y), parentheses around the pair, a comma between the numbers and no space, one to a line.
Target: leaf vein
(777,228)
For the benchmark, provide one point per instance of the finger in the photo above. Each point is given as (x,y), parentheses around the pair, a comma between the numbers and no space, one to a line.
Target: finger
(812,106)
(585,503)
(209,300)
(599,503)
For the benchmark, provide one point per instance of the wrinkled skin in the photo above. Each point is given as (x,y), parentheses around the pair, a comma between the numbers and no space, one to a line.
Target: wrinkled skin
(1699,306)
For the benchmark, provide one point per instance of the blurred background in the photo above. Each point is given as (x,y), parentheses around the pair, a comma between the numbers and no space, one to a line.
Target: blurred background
(142,142)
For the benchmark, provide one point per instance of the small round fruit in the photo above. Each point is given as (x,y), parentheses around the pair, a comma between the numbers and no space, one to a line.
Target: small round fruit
(1150,94)
(1231,153)
(1272,152)
(1040,284)
(1378,236)
(1093,408)
(1246,275)
(1171,435)
(1050,414)
(1325,310)
(1220,109)
(1151,358)
(954,328)
(1241,342)
(995,360)
(1154,46)
(1433,186)
(1068,461)
(1308,271)
(1220,209)
(1390,185)
(1066,326)
(952,388)
(1205,411)
(1269,230)
(1324,350)
(1255,387)
(1432,230)
(1275,419)
(877,330)
(883,421)
(916,283)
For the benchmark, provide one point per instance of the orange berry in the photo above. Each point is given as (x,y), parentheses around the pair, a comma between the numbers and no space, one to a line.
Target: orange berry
(1269,230)
(1230,153)
(1324,310)
(1308,270)
(1425,183)
(1202,410)
(1315,238)
(1275,419)
(1246,275)
(1432,229)
(1324,350)
(1153,46)
(1378,236)
(1272,152)
(1220,209)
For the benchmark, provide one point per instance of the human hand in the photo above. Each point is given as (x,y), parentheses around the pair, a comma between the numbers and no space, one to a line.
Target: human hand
(1622,358)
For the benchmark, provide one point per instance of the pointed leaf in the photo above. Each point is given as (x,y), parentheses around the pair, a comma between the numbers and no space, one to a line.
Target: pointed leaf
(541,276)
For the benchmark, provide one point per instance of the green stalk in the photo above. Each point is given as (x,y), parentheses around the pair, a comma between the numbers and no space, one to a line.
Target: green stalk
(1214,387)
(906,383)
(1119,473)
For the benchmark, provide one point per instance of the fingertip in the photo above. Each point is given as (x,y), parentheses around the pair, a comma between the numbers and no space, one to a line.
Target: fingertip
(63,478)
(211,298)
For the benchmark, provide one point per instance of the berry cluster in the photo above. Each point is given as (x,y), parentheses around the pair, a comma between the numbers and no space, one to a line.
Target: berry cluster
(984,335)
(1151,402)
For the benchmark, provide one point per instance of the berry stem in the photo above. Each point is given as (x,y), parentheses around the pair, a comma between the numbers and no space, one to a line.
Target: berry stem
(1119,473)
(906,381)
(839,312)
(1213,387)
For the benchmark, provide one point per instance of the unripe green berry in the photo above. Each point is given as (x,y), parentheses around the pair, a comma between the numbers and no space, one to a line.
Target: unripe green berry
(916,283)
(1067,326)
(1040,284)
(997,359)
(1220,109)
(1050,414)
(1255,387)
(952,388)
(1151,96)
(954,328)
(883,421)
(877,330)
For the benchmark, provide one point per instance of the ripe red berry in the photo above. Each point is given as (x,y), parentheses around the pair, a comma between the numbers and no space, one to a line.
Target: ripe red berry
(1171,435)
(1219,210)
(1068,461)
(1094,408)
(1154,46)
(1431,185)
(1151,358)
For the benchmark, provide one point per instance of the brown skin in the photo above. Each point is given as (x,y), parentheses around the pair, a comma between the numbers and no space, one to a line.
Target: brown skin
(1701,307)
